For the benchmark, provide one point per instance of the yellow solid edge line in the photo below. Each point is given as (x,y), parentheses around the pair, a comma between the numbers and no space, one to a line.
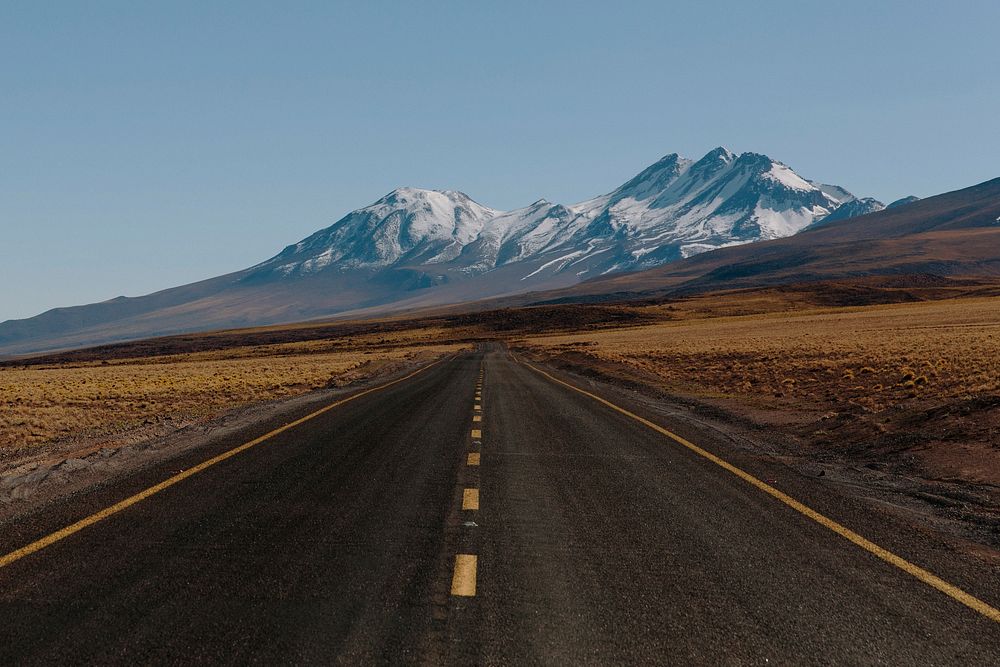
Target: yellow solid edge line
(52,538)
(915,570)
(463,582)
(470,499)
(477,434)
(473,459)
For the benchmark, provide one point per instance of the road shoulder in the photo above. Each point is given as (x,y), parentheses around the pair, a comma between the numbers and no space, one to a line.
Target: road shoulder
(31,483)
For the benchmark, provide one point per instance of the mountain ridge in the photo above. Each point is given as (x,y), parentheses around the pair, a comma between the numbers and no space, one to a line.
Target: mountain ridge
(955,234)
(743,197)
(443,246)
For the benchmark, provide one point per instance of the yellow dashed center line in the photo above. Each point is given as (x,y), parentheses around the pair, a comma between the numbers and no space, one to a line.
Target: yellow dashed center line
(463,582)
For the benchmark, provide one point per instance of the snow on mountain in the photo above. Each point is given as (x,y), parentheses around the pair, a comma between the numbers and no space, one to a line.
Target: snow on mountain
(672,209)
(408,225)
(834,192)
(852,209)
(417,249)
(677,208)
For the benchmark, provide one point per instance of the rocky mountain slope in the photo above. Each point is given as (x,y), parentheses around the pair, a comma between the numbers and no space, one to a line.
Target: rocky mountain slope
(949,236)
(674,208)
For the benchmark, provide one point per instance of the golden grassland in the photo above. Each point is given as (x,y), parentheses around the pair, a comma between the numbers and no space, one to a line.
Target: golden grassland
(874,357)
(777,351)
(40,404)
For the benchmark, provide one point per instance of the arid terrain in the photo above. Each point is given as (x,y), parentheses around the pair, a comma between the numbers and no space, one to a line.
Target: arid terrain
(902,392)
(73,403)
(875,403)
(51,404)
(858,368)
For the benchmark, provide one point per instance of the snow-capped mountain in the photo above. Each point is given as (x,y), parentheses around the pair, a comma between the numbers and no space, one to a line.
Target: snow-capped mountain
(407,226)
(416,248)
(673,209)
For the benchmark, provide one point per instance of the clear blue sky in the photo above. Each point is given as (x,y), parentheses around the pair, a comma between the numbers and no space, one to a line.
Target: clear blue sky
(145,145)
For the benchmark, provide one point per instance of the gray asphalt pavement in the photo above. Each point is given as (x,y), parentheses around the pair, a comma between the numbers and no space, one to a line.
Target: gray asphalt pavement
(596,541)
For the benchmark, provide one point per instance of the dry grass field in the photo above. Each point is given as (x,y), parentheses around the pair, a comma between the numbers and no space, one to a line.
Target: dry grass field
(129,392)
(109,400)
(912,383)
(901,398)
(875,357)
(843,376)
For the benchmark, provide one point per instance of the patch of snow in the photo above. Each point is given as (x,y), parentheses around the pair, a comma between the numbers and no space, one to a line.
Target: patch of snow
(690,249)
(546,265)
(779,224)
(782,174)
(836,193)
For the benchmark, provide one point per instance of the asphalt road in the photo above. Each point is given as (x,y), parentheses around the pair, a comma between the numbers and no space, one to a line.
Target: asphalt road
(368,534)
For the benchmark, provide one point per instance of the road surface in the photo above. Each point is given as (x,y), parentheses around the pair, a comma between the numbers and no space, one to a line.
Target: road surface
(481,512)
